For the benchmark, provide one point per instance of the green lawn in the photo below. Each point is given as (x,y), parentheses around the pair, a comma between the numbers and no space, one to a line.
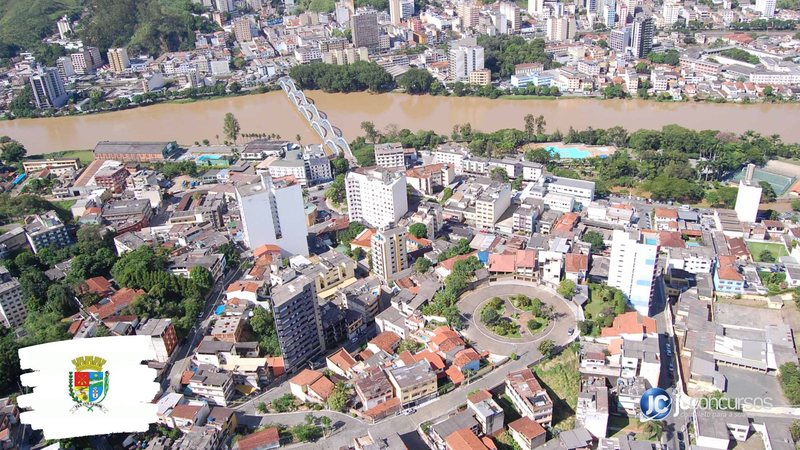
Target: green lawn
(86,156)
(561,378)
(65,204)
(756,248)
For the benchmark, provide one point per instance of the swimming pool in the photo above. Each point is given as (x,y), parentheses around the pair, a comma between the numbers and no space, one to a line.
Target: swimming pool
(651,241)
(569,152)
(209,157)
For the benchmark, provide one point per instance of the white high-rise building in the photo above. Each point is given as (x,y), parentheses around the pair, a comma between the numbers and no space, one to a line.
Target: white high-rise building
(12,307)
(389,254)
(536,7)
(376,196)
(766,8)
(671,10)
(463,60)
(748,199)
(511,13)
(400,10)
(48,88)
(273,212)
(609,13)
(65,26)
(560,28)
(633,268)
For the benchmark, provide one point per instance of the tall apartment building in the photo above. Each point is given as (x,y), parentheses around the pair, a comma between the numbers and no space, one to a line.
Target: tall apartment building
(46,230)
(390,155)
(748,198)
(513,18)
(86,61)
(536,7)
(463,60)
(561,28)
(389,254)
(273,213)
(642,31)
(620,39)
(608,14)
(633,268)
(491,204)
(64,26)
(118,59)
(345,56)
(366,32)
(242,29)
(298,322)
(376,196)
(671,10)
(48,88)
(65,67)
(766,8)
(400,10)
(12,308)
(468,14)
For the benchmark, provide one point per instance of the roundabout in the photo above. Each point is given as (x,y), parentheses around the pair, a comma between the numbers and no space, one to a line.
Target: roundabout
(523,314)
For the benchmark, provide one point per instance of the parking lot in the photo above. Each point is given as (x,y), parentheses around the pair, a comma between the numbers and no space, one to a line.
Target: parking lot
(750,383)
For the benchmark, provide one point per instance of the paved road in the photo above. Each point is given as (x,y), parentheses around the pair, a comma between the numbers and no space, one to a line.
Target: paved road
(407,425)
(183,352)
(487,341)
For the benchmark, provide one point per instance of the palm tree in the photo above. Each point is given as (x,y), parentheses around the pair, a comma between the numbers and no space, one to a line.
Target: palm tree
(654,429)
(326,425)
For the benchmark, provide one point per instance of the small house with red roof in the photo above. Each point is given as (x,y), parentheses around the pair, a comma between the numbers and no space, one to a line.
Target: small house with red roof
(266,439)
(727,279)
(630,325)
(576,267)
(99,286)
(388,341)
(467,359)
(528,433)
(113,305)
(446,343)
(341,363)
(311,386)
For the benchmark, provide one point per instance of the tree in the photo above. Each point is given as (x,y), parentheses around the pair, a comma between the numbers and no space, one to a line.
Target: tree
(12,152)
(369,129)
(566,289)
(796,204)
(339,397)
(767,192)
(416,81)
(789,377)
(615,91)
(231,127)
(547,348)
(261,407)
(766,256)
(498,174)
(530,125)
(201,278)
(284,403)
(538,155)
(340,165)
(336,192)
(540,124)
(422,265)
(326,424)
(794,429)
(418,230)
(654,429)
(596,240)
(489,316)
(235,88)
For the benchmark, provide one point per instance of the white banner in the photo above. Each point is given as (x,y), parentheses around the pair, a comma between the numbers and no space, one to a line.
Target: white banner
(86,387)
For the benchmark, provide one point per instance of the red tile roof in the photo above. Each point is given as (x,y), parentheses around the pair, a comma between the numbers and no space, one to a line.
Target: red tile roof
(479,396)
(323,387)
(433,359)
(666,213)
(381,408)
(263,438)
(97,285)
(502,263)
(364,239)
(455,375)
(186,377)
(449,263)
(630,323)
(246,286)
(185,411)
(386,341)
(465,357)
(463,439)
(576,262)
(342,359)
(527,427)
(727,269)
(116,303)
(526,258)
(306,377)
(671,239)
(267,249)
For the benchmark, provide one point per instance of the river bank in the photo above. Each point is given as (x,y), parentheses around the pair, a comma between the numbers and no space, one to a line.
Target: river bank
(272,113)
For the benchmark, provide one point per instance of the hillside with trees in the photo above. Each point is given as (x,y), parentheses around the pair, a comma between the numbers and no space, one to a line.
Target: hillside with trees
(23,23)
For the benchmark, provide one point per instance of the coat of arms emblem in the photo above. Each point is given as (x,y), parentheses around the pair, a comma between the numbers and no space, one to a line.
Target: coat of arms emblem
(88,384)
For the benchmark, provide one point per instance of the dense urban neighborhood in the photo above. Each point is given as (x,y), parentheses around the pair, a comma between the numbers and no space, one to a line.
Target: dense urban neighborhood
(477,290)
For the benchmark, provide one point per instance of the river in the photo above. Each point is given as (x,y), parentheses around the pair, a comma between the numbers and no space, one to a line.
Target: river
(272,113)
